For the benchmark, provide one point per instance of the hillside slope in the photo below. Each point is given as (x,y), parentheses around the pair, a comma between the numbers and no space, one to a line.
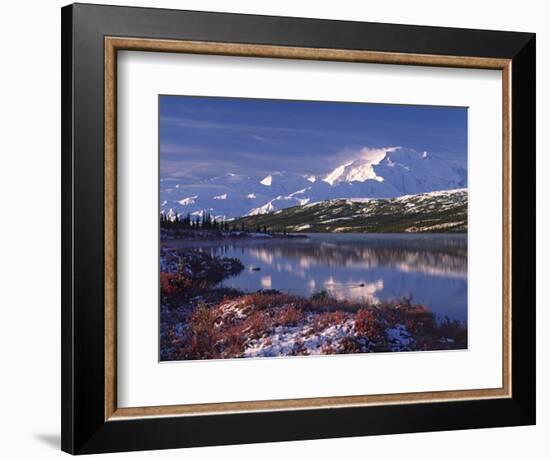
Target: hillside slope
(439,211)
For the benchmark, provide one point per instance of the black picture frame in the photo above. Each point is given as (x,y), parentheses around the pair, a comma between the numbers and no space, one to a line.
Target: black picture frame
(84,428)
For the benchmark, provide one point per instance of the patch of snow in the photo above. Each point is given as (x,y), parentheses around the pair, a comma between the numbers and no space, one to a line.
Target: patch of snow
(447,340)
(260,235)
(399,338)
(312,204)
(285,340)
(267,180)
(435,227)
(262,210)
(300,191)
(220,197)
(361,200)
(188,200)
(171,215)
(426,195)
(343,229)
(332,220)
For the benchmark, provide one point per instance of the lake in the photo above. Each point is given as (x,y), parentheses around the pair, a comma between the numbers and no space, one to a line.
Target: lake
(432,268)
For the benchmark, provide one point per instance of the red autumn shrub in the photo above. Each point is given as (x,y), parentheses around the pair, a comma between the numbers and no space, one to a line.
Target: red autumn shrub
(287,315)
(202,320)
(338,317)
(326,319)
(261,301)
(367,324)
(257,324)
(231,340)
(349,345)
(231,323)
(416,318)
(202,338)
(172,284)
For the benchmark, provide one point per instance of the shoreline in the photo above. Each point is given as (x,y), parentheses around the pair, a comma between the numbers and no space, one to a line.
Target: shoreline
(208,235)
(200,320)
(167,234)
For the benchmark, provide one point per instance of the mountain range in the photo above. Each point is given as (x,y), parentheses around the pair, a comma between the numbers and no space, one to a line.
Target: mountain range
(395,172)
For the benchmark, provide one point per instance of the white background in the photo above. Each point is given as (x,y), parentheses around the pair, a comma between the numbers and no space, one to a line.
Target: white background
(30,252)
(144,382)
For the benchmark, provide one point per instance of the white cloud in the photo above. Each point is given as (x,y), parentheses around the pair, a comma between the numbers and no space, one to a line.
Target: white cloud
(375,155)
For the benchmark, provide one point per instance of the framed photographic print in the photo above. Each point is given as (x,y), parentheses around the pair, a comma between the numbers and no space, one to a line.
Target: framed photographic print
(281,228)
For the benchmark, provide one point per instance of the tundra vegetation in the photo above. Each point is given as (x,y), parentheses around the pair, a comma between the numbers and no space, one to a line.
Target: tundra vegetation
(202,320)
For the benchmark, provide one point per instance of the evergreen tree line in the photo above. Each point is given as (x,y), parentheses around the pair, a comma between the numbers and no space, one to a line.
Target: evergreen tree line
(206,222)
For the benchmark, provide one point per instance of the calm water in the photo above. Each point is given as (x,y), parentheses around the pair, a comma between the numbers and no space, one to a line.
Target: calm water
(430,267)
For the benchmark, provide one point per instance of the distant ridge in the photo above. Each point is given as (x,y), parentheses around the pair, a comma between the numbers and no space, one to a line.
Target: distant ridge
(438,211)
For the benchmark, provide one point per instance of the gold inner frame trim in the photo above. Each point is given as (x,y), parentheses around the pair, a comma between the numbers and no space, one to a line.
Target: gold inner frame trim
(114,44)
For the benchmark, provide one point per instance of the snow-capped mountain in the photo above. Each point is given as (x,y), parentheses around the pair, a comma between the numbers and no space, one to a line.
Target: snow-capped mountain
(393,173)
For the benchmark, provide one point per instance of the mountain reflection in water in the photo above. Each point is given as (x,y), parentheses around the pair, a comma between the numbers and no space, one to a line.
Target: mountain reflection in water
(372,267)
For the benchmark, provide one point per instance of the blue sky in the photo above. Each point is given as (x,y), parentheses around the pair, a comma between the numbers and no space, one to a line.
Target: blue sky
(201,137)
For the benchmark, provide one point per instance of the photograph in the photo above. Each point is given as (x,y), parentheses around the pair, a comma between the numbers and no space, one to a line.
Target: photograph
(296,228)
(271,217)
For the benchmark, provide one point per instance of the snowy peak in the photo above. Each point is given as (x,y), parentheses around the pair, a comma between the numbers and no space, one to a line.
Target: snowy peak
(413,172)
(360,169)
(374,165)
(352,171)
(337,173)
